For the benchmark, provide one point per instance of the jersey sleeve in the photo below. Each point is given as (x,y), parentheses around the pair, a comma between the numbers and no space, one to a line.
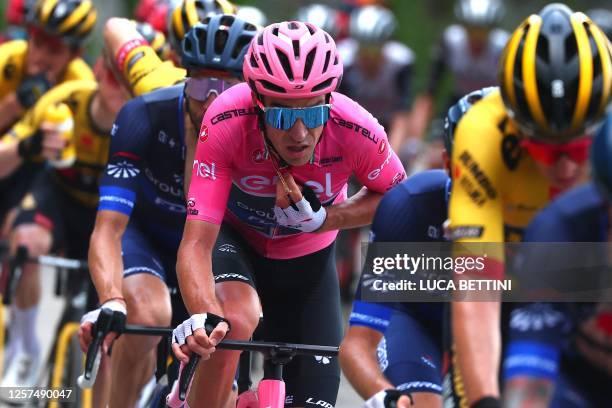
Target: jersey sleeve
(475,209)
(78,70)
(375,164)
(12,59)
(130,137)
(211,177)
(145,71)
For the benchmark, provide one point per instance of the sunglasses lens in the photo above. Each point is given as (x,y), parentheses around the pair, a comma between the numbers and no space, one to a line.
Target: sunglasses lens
(577,151)
(285,118)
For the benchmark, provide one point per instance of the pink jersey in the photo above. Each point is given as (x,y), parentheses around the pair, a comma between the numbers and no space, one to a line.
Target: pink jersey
(234,180)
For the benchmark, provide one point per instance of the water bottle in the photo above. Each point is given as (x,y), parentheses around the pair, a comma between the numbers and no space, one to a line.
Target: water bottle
(59,117)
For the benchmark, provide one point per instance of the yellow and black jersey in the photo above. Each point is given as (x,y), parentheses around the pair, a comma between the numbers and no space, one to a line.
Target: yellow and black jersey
(12,67)
(80,181)
(144,71)
(497,187)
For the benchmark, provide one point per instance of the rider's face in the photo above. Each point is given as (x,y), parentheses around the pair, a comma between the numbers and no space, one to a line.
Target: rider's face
(47,55)
(564,173)
(297,144)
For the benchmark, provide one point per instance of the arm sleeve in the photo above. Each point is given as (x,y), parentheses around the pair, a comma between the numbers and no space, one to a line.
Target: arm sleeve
(438,67)
(403,84)
(375,164)
(145,71)
(211,177)
(129,145)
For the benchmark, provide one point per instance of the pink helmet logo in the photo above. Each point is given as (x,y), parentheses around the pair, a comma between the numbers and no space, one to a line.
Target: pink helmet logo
(298,87)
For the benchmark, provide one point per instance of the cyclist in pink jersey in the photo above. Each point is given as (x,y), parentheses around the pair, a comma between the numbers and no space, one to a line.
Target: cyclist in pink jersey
(267,197)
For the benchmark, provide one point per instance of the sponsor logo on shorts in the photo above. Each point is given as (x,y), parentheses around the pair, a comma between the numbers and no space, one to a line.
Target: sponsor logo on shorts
(231,276)
(322,360)
(227,248)
(122,170)
(319,403)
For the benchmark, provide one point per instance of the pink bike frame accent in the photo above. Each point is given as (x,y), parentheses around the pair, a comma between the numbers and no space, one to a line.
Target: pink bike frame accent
(270,394)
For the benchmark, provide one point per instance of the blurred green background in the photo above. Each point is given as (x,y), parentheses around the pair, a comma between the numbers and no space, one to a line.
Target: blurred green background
(420,21)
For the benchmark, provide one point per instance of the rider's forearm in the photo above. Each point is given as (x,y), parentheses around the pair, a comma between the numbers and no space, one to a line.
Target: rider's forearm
(359,363)
(355,212)
(194,272)
(528,392)
(477,343)
(400,130)
(105,263)
(10,111)
(117,32)
(9,157)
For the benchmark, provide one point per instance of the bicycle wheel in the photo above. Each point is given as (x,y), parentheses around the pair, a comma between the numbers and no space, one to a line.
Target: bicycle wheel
(67,368)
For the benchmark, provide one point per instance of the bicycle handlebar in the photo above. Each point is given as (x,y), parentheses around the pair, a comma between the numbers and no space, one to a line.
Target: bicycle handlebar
(274,350)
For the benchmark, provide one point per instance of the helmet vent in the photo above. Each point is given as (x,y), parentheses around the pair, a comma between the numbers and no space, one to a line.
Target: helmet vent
(309,62)
(274,32)
(264,59)
(542,49)
(571,47)
(323,85)
(242,42)
(253,61)
(260,39)
(296,49)
(227,20)
(284,61)
(327,57)
(220,41)
(202,34)
(293,26)
(311,29)
(272,87)
(327,40)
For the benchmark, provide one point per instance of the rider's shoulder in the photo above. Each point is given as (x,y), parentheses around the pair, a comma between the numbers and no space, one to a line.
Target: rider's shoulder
(576,201)
(162,94)
(349,115)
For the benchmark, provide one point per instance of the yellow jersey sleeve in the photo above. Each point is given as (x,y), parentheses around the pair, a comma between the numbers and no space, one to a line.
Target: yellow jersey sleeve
(12,61)
(145,71)
(31,121)
(78,70)
(475,209)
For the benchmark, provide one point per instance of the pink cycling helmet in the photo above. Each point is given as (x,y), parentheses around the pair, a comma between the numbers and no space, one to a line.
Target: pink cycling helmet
(292,60)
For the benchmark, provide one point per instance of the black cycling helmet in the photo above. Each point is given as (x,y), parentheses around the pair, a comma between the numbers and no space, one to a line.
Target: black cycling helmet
(556,74)
(456,112)
(481,13)
(603,19)
(71,20)
(601,158)
(219,42)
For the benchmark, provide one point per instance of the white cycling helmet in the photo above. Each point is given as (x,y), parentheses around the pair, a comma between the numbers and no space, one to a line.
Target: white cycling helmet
(484,13)
(320,15)
(252,15)
(372,24)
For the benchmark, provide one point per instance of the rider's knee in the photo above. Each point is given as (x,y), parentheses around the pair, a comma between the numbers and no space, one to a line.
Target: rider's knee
(146,306)
(243,318)
(34,237)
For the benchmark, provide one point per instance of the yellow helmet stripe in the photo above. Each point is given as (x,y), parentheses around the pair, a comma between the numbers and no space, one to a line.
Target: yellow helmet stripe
(76,16)
(46,8)
(226,7)
(509,60)
(529,72)
(192,15)
(585,58)
(179,31)
(605,54)
(88,24)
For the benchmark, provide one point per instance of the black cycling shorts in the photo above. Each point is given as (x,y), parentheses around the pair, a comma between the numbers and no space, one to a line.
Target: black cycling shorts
(301,304)
(69,222)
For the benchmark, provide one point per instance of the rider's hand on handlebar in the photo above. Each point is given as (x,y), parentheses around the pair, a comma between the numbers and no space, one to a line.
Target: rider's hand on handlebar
(89,320)
(389,398)
(191,336)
